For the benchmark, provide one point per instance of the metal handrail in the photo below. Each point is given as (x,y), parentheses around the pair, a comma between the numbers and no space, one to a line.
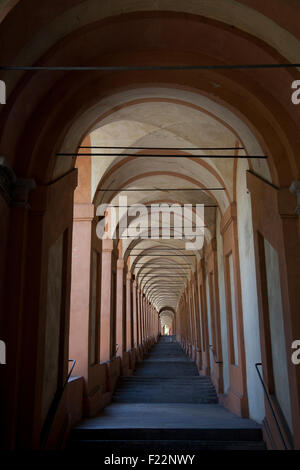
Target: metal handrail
(214,355)
(54,407)
(270,405)
(71,370)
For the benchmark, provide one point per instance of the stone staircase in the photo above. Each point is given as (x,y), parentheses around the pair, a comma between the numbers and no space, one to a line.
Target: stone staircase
(166,376)
(165,390)
(166,407)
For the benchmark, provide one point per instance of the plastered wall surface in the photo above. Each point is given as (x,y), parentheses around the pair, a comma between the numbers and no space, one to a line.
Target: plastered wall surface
(249,295)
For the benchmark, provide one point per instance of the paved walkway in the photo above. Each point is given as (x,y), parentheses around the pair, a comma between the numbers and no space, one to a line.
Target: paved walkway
(166,401)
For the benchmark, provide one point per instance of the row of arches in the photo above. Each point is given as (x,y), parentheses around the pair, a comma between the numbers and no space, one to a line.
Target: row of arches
(66,294)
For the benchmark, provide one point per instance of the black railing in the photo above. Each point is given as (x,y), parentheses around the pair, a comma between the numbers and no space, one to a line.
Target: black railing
(270,405)
(70,373)
(214,355)
(54,407)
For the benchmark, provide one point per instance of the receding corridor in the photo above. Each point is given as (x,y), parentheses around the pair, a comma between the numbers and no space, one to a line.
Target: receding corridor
(150,224)
(166,406)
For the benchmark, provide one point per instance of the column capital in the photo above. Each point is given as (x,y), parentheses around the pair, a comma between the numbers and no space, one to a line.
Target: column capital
(107,245)
(14,190)
(83,212)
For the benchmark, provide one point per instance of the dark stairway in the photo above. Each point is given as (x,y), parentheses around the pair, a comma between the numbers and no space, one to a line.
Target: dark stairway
(166,376)
(166,407)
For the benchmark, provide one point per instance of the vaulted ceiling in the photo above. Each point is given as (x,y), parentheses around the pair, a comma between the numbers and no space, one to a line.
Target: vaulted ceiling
(52,112)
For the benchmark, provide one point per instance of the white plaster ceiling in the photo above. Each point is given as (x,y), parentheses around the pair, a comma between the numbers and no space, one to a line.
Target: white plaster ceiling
(165,118)
(167,125)
(141,132)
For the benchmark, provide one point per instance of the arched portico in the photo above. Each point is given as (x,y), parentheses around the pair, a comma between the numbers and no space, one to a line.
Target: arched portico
(59,281)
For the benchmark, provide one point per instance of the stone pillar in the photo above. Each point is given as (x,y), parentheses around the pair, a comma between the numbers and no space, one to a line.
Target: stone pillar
(192,317)
(158,323)
(237,399)
(129,342)
(198,325)
(106,302)
(80,288)
(152,322)
(216,339)
(277,220)
(38,287)
(135,315)
(148,318)
(204,319)
(139,317)
(144,317)
(120,314)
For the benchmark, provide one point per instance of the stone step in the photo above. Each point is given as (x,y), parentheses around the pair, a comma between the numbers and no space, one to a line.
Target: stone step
(167,369)
(154,389)
(161,399)
(193,380)
(166,408)
(185,378)
(160,388)
(166,447)
(157,391)
(179,435)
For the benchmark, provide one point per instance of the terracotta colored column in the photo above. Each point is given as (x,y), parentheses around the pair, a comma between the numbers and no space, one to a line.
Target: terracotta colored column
(212,273)
(205,335)
(158,323)
(197,321)
(144,317)
(135,315)
(129,341)
(120,314)
(188,315)
(139,321)
(148,318)
(35,234)
(192,318)
(193,315)
(80,288)
(106,297)
(237,399)
(152,321)
(278,221)
(178,324)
